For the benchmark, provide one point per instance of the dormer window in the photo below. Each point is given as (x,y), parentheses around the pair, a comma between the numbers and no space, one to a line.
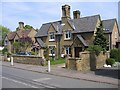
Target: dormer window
(52,36)
(68,35)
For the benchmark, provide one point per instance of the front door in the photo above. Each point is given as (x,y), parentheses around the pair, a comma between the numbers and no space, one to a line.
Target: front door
(77,50)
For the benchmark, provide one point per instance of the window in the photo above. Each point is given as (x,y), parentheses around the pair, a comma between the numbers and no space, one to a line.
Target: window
(51,36)
(115,35)
(67,50)
(51,50)
(6,42)
(68,35)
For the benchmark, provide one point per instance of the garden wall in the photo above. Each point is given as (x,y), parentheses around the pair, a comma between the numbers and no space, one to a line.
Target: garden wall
(86,61)
(34,60)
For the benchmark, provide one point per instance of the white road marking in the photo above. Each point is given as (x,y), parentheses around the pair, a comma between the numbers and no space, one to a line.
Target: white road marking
(19,82)
(41,79)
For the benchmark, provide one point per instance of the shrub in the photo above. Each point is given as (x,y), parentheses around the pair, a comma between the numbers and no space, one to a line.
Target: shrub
(32,53)
(5,51)
(95,48)
(115,53)
(110,61)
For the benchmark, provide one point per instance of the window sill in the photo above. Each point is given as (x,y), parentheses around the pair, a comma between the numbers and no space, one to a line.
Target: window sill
(52,40)
(67,39)
(51,55)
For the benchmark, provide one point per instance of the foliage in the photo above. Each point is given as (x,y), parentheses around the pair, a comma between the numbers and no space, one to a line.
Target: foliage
(28,27)
(32,53)
(5,51)
(3,33)
(110,61)
(94,48)
(46,53)
(25,42)
(115,53)
(57,61)
(22,44)
(100,38)
(16,46)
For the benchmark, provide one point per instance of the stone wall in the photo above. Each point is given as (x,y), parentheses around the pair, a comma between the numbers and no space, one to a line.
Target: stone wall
(34,60)
(87,61)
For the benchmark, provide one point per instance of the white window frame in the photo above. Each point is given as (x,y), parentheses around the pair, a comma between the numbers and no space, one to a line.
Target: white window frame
(52,34)
(69,35)
(67,48)
(50,54)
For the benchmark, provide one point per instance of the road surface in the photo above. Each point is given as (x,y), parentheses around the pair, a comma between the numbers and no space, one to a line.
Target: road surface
(18,78)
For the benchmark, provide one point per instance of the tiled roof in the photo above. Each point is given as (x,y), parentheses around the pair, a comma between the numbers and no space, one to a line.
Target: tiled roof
(41,43)
(11,35)
(85,24)
(23,33)
(108,25)
(82,40)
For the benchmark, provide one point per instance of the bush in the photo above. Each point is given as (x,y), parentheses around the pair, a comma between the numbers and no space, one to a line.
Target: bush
(32,53)
(95,48)
(115,53)
(5,51)
(110,61)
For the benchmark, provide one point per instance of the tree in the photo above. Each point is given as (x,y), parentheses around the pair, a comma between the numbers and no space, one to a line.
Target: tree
(25,42)
(16,46)
(28,27)
(22,44)
(3,33)
(100,38)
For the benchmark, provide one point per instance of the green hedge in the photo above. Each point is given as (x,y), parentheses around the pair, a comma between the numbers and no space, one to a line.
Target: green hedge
(115,53)
(110,61)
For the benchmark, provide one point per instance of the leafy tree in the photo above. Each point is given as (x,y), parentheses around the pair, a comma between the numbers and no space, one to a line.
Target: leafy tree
(22,44)
(28,27)
(16,46)
(3,32)
(100,38)
(25,42)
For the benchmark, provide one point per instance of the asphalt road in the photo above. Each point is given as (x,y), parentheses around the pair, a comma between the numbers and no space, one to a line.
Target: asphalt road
(17,78)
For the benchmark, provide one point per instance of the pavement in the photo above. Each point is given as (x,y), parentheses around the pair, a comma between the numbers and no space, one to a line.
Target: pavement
(101,75)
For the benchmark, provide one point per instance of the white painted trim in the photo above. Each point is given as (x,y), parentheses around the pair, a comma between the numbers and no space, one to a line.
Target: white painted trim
(51,54)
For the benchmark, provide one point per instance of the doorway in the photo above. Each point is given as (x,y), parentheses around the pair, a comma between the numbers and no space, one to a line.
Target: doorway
(77,50)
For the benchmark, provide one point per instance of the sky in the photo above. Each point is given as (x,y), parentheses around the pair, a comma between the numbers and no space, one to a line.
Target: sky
(37,13)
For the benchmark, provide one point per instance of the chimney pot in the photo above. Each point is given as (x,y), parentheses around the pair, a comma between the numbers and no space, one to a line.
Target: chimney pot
(76,14)
(21,25)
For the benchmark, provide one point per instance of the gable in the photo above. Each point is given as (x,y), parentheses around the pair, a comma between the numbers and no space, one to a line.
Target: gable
(67,27)
(51,29)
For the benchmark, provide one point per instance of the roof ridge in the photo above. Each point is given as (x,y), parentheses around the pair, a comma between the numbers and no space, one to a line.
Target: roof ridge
(51,22)
(109,19)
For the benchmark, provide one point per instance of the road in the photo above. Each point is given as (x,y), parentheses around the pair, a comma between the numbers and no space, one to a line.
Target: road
(18,78)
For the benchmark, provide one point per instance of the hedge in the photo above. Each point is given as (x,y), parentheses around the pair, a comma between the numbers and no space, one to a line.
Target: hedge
(115,54)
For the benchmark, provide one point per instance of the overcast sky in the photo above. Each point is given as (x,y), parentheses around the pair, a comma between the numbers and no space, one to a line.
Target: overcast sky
(37,13)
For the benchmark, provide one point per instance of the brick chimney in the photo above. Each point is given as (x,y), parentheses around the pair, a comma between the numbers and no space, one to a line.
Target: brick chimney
(21,25)
(76,14)
(65,13)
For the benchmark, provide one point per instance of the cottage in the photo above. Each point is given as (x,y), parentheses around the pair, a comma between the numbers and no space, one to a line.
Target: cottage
(19,33)
(70,36)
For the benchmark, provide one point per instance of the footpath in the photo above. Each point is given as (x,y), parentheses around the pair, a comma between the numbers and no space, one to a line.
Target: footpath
(59,70)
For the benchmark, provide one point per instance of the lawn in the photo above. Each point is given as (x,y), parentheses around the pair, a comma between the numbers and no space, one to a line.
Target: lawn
(57,61)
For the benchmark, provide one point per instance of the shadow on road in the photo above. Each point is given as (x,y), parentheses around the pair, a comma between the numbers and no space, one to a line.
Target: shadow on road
(114,73)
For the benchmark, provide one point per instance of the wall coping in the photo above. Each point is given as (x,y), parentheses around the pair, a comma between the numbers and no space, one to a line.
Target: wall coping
(31,56)
(72,58)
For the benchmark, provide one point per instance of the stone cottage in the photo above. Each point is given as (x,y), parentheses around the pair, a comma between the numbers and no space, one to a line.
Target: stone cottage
(73,35)
(14,36)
